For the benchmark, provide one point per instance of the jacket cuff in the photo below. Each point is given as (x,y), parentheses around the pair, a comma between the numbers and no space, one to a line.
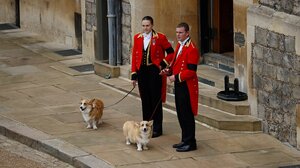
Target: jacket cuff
(134,76)
(163,64)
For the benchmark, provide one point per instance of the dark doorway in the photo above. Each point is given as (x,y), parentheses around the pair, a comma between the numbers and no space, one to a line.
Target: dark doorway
(78,30)
(216,18)
(17,4)
(102,31)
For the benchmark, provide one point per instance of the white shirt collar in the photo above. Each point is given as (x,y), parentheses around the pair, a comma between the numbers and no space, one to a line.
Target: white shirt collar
(147,36)
(182,43)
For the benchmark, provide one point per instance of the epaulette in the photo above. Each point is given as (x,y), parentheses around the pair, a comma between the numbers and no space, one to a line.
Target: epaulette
(140,35)
(154,34)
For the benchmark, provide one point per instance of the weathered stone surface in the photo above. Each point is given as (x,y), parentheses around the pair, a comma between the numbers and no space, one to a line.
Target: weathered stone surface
(62,150)
(290,6)
(273,39)
(258,51)
(126,7)
(257,81)
(260,36)
(126,32)
(91,18)
(258,66)
(276,78)
(290,44)
(277,57)
(90,162)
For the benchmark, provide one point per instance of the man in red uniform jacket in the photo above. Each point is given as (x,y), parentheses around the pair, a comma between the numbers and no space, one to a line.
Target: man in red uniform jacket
(148,55)
(182,72)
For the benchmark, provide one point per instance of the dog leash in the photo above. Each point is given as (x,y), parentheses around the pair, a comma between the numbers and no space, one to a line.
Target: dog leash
(155,109)
(121,99)
(127,95)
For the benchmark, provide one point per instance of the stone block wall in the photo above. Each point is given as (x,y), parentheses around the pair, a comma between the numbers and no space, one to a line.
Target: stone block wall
(276,77)
(90,20)
(126,32)
(287,6)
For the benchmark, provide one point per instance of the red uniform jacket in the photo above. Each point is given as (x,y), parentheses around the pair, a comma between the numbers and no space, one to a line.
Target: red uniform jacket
(184,67)
(158,46)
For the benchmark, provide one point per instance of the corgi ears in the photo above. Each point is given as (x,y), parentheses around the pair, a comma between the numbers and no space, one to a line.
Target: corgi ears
(150,123)
(91,101)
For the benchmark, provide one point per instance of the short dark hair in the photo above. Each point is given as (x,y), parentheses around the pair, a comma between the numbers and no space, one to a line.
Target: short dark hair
(148,18)
(184,25)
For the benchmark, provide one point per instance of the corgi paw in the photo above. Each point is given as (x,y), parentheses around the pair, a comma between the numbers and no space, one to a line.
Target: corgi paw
(88,127)
(139,149)
(95,127)
(127,143)
(145,148)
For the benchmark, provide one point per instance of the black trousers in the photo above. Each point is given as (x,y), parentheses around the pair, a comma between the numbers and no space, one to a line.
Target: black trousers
(150,85)
(184,113)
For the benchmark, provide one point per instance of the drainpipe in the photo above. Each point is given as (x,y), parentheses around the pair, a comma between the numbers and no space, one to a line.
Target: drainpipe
(112,32)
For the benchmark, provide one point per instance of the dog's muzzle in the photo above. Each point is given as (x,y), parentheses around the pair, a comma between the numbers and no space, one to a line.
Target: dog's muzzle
(145,129)
(82,108)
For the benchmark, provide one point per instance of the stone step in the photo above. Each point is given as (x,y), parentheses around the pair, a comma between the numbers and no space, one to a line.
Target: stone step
(220,119)
(209,115)
(208,97)
(224,121)
(223,61)
(212,76)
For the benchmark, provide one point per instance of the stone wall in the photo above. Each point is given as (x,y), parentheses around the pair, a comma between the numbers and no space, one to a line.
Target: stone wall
(53,19)
(89,22)
(7,11)
(276,70)
(126,32)
(287,6)
(240,47)
(90,17)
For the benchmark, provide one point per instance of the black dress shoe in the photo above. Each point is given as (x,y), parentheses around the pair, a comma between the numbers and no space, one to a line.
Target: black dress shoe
(186,148)
(156,134)
(178,145)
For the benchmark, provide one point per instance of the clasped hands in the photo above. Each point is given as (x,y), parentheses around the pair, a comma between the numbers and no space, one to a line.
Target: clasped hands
(168,72)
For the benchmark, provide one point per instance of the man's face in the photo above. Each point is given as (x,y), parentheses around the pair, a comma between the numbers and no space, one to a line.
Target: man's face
(147,26)
(181,34)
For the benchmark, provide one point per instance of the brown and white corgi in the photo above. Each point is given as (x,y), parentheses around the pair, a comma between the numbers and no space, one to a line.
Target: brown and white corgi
(92,111)
(138,132)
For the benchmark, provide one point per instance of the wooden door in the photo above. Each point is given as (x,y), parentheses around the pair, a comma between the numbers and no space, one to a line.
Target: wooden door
(222,26)
(216,18)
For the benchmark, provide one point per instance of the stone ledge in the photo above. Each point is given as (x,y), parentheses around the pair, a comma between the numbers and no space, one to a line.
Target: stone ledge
(105,70)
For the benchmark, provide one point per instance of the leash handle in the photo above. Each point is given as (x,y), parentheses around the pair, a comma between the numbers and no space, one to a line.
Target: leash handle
(121,99)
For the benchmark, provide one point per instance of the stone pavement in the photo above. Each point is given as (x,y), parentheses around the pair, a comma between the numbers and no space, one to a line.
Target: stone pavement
(39,106)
